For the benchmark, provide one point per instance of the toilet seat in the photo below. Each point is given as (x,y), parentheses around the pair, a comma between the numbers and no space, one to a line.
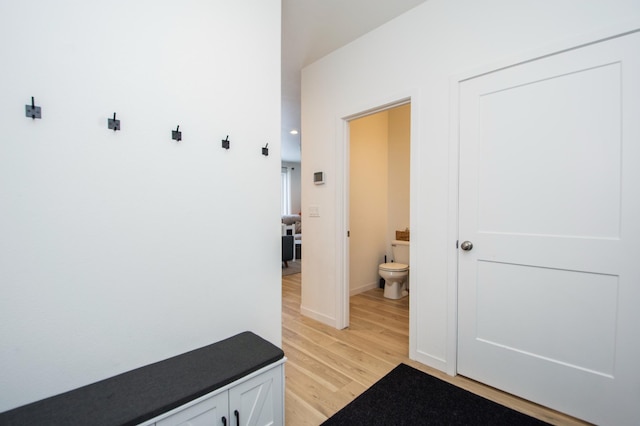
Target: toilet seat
(394,267)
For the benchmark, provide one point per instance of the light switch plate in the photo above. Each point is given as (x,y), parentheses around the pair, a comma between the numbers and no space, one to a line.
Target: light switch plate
(314,211)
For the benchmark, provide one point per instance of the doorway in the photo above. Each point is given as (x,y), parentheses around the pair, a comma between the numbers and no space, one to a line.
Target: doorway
(378,192)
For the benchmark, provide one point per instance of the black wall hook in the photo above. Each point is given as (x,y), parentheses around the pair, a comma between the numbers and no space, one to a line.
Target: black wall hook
(33,111)
(176,134)
(225,142)
(265,150)
(113,124)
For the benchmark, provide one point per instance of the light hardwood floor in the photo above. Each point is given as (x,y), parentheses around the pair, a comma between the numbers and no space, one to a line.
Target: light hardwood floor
(328,368)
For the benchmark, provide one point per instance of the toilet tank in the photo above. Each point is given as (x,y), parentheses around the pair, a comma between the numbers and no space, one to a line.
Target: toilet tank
(400,250)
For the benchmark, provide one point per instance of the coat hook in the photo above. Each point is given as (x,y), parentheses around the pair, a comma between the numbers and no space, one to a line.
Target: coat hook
(176,134)
(225,142)
(113,124)
(265,150)
(33,111)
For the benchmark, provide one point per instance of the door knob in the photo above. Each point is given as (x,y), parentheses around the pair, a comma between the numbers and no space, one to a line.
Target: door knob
(466,246)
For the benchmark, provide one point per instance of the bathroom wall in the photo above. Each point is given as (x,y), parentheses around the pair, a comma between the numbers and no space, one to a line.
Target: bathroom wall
(118,249)
(378,191)
(368,192)
(399,148)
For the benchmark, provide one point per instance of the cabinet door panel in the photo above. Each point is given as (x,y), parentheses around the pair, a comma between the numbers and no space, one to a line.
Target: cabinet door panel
(205,413)
(258,400)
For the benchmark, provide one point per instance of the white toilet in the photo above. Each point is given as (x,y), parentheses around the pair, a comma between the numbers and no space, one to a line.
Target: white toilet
(395,274)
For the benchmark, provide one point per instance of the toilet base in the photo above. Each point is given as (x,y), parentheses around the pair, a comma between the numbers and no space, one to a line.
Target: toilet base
(394,290)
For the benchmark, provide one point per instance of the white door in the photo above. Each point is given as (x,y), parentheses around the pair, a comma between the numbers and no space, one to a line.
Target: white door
(549,294)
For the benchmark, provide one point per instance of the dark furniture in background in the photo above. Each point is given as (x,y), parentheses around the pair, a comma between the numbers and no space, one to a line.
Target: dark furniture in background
(287,249)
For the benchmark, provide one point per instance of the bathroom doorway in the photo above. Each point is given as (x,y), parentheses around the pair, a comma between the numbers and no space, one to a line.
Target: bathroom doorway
(378,191)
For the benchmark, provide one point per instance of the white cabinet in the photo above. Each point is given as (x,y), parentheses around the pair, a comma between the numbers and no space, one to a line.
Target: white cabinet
(256,399)
(204,413)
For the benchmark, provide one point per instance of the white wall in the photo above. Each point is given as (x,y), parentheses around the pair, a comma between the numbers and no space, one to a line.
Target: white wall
(417,55)
(118,249)
(368,199)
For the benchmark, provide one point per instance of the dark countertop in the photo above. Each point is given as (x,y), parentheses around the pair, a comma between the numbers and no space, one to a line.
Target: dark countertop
(146,392)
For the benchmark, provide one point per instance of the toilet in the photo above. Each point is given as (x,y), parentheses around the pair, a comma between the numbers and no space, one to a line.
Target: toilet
(396,273)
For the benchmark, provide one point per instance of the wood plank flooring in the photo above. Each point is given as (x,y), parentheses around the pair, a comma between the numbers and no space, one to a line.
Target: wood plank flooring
(328,368)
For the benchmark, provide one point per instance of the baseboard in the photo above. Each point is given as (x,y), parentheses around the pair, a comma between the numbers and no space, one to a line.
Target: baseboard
(430,360)
(363,288)
(318,316)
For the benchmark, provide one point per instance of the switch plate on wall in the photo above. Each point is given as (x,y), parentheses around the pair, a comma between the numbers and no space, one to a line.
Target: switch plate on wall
(314,211)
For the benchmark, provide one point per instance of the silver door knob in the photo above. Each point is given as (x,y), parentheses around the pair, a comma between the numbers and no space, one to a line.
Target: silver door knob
(466,246)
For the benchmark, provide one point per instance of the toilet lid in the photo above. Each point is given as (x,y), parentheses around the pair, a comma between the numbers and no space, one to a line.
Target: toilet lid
(394,266)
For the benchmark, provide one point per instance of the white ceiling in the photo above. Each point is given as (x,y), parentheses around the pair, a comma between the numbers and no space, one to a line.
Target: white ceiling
(310,30)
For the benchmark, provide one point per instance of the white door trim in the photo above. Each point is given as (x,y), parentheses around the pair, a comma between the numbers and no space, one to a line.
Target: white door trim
(615,31)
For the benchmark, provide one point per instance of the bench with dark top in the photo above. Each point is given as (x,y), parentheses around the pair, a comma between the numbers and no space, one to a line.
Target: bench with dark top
(146,392)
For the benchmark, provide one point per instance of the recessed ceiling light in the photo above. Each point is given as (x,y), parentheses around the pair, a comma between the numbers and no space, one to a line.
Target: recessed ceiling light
(294,132)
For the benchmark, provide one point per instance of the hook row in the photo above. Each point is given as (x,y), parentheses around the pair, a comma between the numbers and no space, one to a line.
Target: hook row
(32,111)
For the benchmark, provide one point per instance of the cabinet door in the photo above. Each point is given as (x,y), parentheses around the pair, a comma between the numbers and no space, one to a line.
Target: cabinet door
(258,401)
(204,413)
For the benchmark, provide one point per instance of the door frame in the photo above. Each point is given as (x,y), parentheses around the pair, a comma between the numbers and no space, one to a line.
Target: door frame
(342,193)
(620,30)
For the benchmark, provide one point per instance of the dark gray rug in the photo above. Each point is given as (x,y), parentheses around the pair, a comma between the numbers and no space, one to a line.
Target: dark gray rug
(407,396)
(294,268)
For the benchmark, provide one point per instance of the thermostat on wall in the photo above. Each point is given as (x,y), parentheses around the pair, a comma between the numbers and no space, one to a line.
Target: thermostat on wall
(318,178)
